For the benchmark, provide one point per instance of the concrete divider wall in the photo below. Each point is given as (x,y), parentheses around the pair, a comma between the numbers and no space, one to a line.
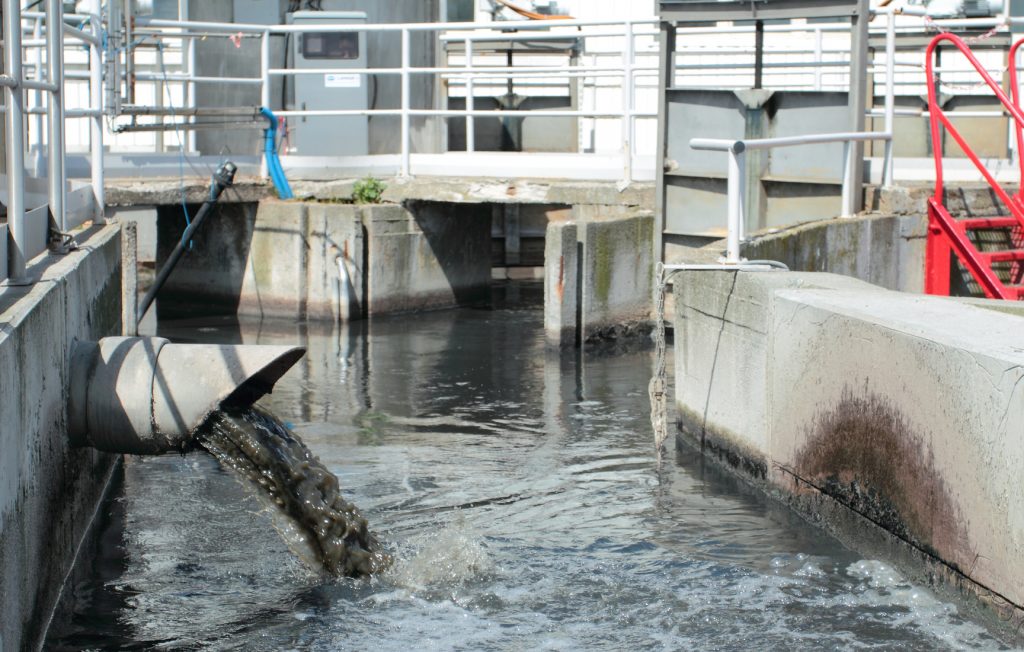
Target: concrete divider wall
(48,491)
(905,410)
(599,279)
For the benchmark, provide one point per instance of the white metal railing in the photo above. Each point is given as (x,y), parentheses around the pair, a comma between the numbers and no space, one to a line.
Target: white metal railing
(819,58)
(737,173)
(24,223)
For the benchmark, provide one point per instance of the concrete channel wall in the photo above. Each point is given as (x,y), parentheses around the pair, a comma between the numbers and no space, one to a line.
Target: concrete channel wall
(903,411)
(280,259)
(48,490)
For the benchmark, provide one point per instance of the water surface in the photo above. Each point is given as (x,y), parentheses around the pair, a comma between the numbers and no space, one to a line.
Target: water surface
(519,495)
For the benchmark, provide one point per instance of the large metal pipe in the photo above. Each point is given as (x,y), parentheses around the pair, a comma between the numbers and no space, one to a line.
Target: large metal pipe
(146,396)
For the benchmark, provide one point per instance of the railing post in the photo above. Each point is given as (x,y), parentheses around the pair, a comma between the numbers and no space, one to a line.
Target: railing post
(406,89)
(96,122)
(737,170)
(890,97)
(38,119)
(470,98)
(265,87)
(848,209)
(15,124)
(818,57)
(627,105)
(55,111)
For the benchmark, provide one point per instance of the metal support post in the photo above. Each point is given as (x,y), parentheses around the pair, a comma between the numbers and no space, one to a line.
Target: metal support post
(858,101)
(819,49)
(265,89)
(667,74)
(406,91)
(470,99)
(96,93)
(15,124)
(758,53)
(737,173)
(890,96)
(55,113)
(849,208)
(627,106)
(37,145)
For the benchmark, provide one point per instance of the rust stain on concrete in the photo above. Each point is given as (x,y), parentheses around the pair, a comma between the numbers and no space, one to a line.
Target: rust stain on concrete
(863,452)
(560,290)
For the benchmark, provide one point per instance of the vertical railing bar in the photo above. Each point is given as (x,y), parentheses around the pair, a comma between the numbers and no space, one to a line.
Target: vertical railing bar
(15,125)
(406,89)
(265,88)
(38,119)
(96,122)
(737,162)
(470,98)
(818,57)
(627,104)
(890,98)
(848,201)
(55,112)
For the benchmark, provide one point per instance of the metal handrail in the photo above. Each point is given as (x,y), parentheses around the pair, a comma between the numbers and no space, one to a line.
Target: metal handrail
(736,189)
(938,117)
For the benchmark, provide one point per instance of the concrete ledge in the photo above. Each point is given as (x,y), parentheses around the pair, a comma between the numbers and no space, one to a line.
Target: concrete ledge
(905,410)
(48,490)
(469,190)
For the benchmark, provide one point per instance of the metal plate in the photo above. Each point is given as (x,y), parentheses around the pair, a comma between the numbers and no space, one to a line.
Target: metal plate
(686,11)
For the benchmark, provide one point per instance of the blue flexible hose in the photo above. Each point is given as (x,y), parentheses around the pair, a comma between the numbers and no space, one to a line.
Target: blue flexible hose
(284,189)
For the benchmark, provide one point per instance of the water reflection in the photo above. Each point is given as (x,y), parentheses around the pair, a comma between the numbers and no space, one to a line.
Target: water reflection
(517,489)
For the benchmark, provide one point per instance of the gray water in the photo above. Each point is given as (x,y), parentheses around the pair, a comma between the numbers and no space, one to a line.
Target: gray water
(519,496)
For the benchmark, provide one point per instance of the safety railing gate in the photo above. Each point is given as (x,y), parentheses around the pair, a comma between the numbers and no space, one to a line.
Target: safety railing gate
(996,263)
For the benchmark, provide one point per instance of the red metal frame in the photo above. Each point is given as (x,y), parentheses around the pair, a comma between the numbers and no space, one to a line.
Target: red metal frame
(945,233)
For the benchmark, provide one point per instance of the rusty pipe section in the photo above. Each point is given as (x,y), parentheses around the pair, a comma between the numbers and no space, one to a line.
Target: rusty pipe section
(146,395)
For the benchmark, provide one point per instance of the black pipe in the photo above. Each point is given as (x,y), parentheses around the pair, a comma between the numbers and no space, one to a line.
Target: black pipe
(222,180)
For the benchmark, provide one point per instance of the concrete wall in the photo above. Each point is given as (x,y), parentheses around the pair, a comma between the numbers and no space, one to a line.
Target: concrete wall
(427,255)
(48,491)
(279,259)
(886,250)
(905,411)
(598,277)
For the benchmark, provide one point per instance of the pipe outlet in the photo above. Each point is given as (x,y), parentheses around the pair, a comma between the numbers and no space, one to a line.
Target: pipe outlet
(146,396)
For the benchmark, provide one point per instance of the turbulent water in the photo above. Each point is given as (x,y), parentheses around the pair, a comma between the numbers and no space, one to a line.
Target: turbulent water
(519,497)
(328,530)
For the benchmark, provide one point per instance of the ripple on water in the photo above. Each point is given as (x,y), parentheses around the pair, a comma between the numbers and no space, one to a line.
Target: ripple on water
(519,496)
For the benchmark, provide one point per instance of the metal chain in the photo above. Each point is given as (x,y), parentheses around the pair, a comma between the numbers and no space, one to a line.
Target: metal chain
(656,388)
(931,24)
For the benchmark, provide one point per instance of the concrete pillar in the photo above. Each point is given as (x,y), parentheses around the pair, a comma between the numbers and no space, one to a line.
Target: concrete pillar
(617,278)
(561,285)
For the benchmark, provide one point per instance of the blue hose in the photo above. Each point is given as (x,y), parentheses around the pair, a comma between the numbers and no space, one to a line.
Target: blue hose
(284,189)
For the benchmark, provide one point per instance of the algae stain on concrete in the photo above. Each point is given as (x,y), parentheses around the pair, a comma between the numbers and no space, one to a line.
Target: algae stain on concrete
(863,452)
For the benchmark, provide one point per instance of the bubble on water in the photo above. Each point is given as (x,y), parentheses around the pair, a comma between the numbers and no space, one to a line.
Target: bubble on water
(878,574)
(449,556)
(809,569)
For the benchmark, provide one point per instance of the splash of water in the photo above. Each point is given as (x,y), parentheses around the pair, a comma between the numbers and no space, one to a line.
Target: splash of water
(320,523)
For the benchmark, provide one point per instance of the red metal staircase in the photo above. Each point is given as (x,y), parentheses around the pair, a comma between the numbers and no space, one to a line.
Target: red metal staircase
(996,263)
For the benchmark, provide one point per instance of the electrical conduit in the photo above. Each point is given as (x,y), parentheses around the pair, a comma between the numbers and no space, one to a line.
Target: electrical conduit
(284,190)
